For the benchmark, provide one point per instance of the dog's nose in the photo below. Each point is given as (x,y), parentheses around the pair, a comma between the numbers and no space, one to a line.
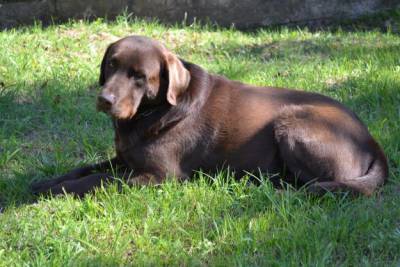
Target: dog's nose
(108,99)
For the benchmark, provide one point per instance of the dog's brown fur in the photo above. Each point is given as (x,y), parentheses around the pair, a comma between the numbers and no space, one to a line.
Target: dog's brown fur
(172,118)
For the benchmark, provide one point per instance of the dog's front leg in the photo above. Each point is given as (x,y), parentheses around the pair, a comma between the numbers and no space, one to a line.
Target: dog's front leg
(103,167)
(79,187)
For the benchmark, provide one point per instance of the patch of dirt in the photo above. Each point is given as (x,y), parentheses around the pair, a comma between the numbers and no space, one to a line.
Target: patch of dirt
(72,33)
(103,36)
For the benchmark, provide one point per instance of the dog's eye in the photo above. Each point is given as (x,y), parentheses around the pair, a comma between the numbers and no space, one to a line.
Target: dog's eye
(136,75)
(111,64)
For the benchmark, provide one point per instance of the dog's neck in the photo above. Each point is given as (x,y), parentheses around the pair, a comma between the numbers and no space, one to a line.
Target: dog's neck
(146,111)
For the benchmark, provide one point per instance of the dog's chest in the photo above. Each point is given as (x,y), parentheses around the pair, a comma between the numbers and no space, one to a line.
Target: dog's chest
(167,152)
(145,153)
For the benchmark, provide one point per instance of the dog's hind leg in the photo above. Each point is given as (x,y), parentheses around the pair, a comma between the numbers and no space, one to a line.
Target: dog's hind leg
(329,154)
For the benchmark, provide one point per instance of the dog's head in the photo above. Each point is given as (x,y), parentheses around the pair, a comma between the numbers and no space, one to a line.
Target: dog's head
(139,71)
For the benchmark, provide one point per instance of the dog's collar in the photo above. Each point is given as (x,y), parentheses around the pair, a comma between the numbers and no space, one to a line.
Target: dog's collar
(146,113)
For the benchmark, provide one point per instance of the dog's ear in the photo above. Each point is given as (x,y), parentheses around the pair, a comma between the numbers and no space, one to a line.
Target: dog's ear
(102,78)
(178,77)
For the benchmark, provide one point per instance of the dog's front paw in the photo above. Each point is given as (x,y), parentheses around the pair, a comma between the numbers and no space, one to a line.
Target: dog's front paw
(42,187)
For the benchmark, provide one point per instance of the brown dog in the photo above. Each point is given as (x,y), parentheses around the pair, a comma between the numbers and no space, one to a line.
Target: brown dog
(172,118)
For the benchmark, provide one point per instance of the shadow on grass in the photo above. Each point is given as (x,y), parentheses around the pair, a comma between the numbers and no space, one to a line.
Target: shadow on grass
(384,21)
(46,128)
(314,48)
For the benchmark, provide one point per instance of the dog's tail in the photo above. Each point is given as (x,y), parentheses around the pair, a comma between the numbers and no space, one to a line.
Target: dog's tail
(376,175)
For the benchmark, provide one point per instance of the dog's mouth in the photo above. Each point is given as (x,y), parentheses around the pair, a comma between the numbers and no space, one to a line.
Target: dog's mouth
(121,112)
(103,106)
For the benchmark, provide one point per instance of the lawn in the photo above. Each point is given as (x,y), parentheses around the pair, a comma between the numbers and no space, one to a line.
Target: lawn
(49,124)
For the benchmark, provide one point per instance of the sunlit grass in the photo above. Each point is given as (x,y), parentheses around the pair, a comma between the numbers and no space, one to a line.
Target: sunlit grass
(48,125)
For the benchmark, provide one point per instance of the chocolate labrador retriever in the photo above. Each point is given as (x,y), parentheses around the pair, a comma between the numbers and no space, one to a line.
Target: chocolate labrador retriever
(171,118)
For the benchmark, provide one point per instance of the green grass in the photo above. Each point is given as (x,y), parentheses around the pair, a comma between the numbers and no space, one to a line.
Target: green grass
(48,125)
